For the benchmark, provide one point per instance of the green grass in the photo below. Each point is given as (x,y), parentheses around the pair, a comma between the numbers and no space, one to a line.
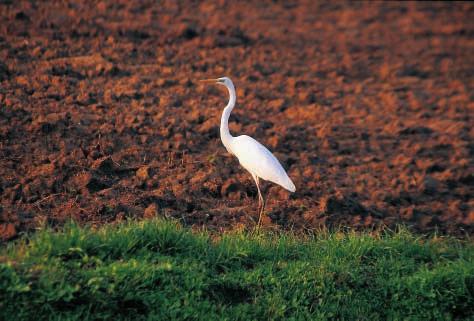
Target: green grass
(157,270)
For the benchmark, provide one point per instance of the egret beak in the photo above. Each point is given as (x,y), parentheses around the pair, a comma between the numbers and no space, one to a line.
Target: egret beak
(209,81)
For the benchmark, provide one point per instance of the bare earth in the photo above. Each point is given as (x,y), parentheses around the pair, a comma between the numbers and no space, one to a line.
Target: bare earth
(369,105)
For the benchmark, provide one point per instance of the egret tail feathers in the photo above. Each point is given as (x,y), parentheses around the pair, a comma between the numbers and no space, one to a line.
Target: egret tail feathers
(289,185)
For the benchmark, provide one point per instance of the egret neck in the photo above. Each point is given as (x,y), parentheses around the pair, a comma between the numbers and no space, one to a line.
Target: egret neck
(226,137)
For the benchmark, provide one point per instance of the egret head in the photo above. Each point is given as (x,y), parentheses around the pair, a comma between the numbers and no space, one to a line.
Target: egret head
(220,81)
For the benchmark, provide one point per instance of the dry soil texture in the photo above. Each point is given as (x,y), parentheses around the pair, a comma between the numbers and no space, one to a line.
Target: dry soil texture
(368,105)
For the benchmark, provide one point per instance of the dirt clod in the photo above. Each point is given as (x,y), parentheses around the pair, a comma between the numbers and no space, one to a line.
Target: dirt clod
(143,173)
(7,231)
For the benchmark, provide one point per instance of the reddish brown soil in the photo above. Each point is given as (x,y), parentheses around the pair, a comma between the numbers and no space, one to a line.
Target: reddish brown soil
(370,107)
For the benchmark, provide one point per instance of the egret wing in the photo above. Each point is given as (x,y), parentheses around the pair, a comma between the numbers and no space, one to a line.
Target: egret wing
(258,160)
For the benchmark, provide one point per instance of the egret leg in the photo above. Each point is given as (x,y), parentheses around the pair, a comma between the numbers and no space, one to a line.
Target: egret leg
(261,201)
(257,182)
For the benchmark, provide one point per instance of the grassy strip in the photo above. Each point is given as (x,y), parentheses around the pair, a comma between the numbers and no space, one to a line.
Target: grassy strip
(157,270)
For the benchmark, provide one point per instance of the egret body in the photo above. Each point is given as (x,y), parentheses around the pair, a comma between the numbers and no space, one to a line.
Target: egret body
(252,155)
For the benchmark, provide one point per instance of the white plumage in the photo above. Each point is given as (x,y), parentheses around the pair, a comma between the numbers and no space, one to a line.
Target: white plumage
(258,160)
(252,155)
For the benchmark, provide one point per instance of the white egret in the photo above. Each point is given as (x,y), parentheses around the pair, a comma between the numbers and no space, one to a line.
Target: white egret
(252,155)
